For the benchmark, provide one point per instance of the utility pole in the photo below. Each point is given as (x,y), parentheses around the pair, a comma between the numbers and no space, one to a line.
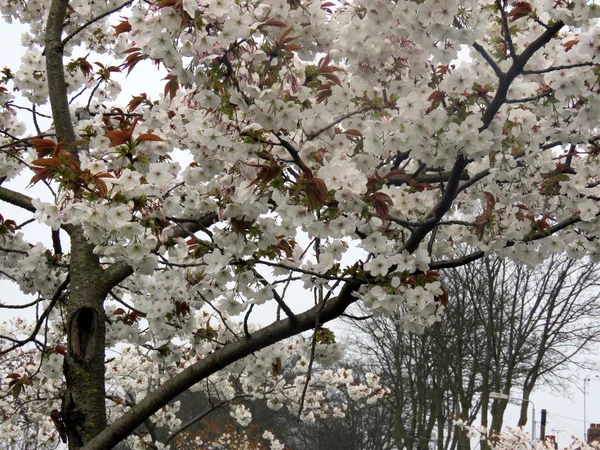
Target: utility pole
(543,426)
(586,380)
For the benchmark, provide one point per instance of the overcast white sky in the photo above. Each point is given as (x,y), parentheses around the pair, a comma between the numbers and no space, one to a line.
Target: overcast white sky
(565,414)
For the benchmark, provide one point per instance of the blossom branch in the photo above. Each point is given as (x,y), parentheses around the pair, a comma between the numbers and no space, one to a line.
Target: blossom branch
(217,360)
(457,262)
(343,117)
(297,269)
(284,307)
(57,295)
(95,19)
(529,99)
(488,59)
(555,68)
(202,415)
(505,28)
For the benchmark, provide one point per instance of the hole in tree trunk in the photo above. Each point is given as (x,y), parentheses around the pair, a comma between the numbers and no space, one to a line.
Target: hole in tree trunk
(83,334)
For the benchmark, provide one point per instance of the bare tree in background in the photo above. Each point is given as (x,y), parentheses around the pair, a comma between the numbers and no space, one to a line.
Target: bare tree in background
(508,328)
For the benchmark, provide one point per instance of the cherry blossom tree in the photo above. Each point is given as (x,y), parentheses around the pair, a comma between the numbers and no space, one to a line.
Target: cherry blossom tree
(305,154)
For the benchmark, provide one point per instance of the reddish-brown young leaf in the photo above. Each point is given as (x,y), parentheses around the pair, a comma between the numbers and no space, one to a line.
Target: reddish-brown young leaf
(40,174)
(16,389)
(136,101)
(149,137)
(168,3)
(327,7)
(323,62)
(85,67)
(285,247)
(117,137)
(101,187)
(282,39)
(332,77)
(519,9)
(324,91)
(490,200)
(58,149)
(275,23)
(134,57)
(292,47)
(570,44)
(60,349)
(172,86)
(381,201)
(437,96)
(316,192)
(123,27)
(353,132)
(53,162)
(43,147)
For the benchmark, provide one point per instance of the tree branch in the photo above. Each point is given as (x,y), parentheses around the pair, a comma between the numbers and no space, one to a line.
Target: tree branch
(202,415)
(39,322)
(95,19)
(488,59)
(552,69)
(216,361)
(16,199)
(56,76)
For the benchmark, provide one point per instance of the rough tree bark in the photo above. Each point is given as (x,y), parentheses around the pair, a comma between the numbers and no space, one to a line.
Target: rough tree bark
(83,406)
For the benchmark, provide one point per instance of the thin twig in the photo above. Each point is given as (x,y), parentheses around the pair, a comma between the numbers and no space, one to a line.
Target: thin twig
(297,269)
(39,322)
(246,317)
(286,309)
(26,305)
(505,28)
(215,309)
(343,117)
(125,304)
(552,69)
(202,415)
(313,350)
(529,99)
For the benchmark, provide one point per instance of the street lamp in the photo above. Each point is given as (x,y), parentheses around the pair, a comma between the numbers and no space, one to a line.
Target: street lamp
(586,380)
(501,396)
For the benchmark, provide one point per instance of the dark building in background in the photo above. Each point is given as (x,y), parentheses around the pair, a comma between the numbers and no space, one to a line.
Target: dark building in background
(593,433)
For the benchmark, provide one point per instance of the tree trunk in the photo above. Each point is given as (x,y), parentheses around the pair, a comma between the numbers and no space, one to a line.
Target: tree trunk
(83,407)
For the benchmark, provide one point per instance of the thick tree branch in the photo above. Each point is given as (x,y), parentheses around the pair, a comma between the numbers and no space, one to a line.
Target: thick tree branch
(515,70)
(56,76)
(218,360)
(441,208)
(16,199)
(488,59)
(499,99)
